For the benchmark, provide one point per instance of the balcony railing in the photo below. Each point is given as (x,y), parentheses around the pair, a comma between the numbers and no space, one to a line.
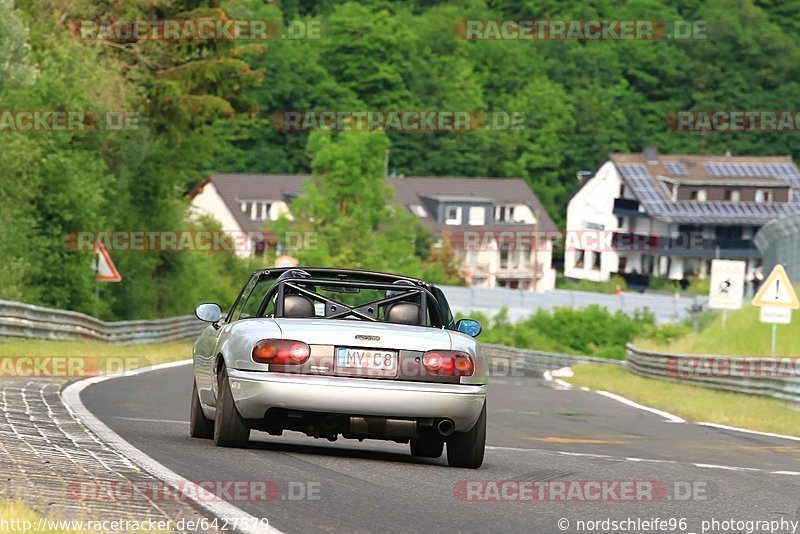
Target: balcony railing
(687,245)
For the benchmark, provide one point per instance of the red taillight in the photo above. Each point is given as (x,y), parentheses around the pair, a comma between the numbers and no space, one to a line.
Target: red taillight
(448,362)
(281,352)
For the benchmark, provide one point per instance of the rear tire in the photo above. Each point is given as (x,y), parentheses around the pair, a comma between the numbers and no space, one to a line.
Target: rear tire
(199,426)
(465,449)
(230,430)
(427,447)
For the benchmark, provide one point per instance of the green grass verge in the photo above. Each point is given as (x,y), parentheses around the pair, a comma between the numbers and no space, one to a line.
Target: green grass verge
(148,354)
(742,335)
(692,402)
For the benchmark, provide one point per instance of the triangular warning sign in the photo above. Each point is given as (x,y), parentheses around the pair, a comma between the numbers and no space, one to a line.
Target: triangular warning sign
(777,291)
(104,267)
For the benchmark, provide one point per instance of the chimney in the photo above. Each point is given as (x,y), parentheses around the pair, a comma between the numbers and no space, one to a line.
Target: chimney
(583,176)
(650,154)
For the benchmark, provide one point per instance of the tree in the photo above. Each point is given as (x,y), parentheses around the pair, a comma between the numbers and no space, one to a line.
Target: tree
(345,215)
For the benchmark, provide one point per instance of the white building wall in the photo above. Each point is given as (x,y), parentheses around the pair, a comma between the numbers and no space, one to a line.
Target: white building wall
(591,209)
(210,202)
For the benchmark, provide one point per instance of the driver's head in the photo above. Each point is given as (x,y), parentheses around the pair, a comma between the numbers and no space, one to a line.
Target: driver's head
(400,291)
(296,273)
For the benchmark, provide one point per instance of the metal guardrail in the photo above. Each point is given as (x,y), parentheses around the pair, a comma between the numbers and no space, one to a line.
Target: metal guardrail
(28,321)
(769,377)
(535,361)
(777,378)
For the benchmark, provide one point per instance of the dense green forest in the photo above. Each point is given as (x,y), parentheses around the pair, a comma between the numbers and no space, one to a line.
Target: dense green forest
(206,106)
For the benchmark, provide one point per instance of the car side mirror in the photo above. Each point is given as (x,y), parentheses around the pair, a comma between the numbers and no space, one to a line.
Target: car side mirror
(209,312)
(470,327)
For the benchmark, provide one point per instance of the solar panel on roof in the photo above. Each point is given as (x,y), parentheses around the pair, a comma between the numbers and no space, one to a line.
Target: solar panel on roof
(675,168)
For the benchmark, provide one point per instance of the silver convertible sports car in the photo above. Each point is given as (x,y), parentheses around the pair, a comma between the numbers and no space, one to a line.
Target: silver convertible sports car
(332,352)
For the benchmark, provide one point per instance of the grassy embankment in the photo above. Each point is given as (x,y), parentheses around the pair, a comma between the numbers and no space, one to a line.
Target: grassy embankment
(742,335)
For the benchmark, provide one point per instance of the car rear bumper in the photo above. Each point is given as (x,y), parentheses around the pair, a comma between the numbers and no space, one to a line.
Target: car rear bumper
(255,392)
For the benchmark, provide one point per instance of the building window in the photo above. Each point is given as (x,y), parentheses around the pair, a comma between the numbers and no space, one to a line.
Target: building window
(648,262)
(477,216)
(452,215)
(699,195)
(620,222)
(732,195)
(595,261)
(580,257)
(763,195)
(524,256)
(504,213)
(621,190)
(505,258)
(418,210)
(259,210)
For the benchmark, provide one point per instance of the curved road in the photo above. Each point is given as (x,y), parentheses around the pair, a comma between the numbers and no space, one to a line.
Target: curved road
(558,438)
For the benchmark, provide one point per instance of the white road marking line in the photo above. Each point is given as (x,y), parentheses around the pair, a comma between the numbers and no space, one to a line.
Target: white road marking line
(666,415)
(647,460)
(746,431)
(170,421)
(549,377)
(727,467)
(671,418)
(586,454)
(493,448)
(71,397)
(650,460)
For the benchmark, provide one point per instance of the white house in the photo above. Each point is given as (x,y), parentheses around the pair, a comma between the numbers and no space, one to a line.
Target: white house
(670,215)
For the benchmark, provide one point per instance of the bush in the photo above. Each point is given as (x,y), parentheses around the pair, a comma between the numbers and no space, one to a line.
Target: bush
(592,331)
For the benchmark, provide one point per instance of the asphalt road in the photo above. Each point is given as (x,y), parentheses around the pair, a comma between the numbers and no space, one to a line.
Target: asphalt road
(536,432)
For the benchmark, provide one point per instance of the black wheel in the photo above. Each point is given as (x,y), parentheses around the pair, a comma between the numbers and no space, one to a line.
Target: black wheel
(230,429)
(465,449)
(427,447)
(199,426)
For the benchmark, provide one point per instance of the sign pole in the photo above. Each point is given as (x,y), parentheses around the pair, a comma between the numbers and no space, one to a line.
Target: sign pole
(724,318)
(96,287)
(774,338)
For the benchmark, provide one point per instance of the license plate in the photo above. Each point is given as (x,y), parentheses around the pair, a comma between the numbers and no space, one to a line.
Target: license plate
(366,362)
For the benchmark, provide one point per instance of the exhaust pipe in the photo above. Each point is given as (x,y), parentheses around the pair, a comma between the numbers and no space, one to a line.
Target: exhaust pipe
(446,427)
